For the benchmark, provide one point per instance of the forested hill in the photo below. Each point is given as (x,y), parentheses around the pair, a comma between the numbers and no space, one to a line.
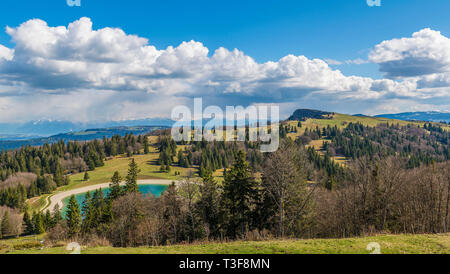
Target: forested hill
(304,114)
(86,135)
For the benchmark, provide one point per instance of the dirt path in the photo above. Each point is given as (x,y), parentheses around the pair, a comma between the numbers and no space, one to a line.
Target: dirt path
(57,199)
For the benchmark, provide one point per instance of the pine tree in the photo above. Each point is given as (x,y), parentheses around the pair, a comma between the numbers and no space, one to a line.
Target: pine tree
(57,217)
(113,149)
(240,192)
(6,228)
(98,204)
(86,176)
(181,159)
(207,175)
(146,146)
(33,190)
(48,221)
(88,214)
(115,188)
(131,179)
(58,176)
(73,217)
(91,165)
(208,204)
(107,214)
(38,223)
(29,229)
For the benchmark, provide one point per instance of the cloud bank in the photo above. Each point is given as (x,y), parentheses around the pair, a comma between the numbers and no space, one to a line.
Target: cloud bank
(426,52)
(81,74)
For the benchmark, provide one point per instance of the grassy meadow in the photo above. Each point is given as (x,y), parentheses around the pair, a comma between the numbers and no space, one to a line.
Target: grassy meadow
(148,164)
(389,244)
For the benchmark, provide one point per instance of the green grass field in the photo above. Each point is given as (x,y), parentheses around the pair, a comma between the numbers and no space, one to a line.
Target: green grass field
(389,244)
(38,203)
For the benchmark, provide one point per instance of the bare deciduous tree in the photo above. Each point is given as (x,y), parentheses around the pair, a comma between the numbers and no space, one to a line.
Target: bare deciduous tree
(285,181)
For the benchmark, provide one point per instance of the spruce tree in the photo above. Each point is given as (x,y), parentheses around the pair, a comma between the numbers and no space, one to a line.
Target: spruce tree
(58,176)
(107,214)
(131,179)
(98,204)
(48,220)
(87,213)
(115,188)
(73,217)
(38,223)
(6,228)
(180,157)
(57,217)
(86,176)
(113,149)
(240,193)
(146,146)
(208,204)
(29,229)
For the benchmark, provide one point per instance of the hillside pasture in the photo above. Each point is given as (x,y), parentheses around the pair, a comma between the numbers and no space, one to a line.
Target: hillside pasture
(389,244)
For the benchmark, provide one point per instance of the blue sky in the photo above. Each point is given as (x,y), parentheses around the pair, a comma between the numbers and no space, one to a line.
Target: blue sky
(263,30)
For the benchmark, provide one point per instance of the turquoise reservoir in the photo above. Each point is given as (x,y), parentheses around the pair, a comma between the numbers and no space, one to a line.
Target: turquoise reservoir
(155,190)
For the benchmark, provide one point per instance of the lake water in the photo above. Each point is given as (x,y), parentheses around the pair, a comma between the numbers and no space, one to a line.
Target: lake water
(155,190)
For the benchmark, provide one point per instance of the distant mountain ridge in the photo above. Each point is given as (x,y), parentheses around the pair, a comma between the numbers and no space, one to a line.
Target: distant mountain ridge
(428,116)
(85,135)
(46,128)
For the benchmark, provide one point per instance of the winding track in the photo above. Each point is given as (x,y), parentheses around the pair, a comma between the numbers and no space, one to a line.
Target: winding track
(57,199)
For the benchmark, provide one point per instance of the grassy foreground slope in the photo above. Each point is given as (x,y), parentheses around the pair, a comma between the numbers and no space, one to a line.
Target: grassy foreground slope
(389,244)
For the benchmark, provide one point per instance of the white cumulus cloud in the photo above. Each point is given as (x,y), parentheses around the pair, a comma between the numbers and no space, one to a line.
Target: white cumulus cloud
(426,52)
(6,53)
(78,72)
